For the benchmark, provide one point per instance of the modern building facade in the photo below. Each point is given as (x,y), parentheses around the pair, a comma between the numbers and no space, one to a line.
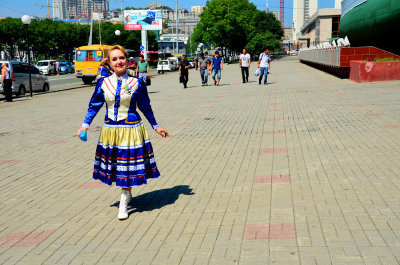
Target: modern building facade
(187,20)
(302,11)
(197,9)
(275,13)
(322,26)
(59,10)
(84,8)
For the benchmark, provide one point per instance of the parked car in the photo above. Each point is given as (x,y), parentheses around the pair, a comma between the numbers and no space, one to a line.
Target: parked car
(175,62)
(20,77)
(47,67)
(165,65)
(65,68)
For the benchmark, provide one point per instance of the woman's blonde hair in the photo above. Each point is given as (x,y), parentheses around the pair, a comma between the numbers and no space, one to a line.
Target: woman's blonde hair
(117,47)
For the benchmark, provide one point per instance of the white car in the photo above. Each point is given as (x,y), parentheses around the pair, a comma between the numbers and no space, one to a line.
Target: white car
(20,78)
(47,67)
(165,65)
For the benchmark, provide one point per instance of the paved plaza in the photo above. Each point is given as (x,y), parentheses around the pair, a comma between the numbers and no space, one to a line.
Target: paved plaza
(304,170)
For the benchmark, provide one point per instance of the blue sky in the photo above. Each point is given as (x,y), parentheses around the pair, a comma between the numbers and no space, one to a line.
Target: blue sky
(17,8)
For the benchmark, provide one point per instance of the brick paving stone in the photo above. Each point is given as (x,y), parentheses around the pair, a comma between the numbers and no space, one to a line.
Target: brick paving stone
(395,126)
(271,178)
(269,231)
(57,142)
(273,150)
(374,114)
(274,132)
(24,239)
(322,164)
(10,162)
(94,185)
(274,119)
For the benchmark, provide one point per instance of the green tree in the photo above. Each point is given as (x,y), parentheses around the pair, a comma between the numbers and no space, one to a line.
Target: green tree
(12,33)
(261,41)
(233,24)
(50,38)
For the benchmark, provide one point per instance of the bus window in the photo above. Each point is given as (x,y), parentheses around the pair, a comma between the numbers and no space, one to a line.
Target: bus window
(91,56)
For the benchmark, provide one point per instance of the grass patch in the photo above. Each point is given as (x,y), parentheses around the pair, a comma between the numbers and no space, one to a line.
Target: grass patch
(387,59)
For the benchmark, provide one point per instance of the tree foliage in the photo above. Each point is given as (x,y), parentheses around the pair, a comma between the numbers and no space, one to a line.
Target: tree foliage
(235,24)
(50,38)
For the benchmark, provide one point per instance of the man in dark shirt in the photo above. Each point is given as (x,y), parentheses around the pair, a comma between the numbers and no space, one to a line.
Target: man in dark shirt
(184,71)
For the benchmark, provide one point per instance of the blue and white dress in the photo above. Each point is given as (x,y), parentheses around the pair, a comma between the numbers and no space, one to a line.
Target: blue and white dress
(124,154)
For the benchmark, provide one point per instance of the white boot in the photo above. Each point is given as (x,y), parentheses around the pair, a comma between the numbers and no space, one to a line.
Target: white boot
(123,205)
(129,197)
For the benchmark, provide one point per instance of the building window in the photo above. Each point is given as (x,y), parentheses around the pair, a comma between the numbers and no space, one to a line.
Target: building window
(335,27)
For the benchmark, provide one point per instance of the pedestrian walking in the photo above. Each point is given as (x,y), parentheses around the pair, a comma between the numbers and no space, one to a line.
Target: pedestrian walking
(142,69)
(57,67)
(124,154)
(244,65)
(216,66)
(196,61)
(132,66)
(204,66)
(6,81)
(184,66)
(264,63)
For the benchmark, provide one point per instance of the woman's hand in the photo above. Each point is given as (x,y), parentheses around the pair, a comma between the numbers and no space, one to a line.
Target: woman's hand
(161,131)
(78,133)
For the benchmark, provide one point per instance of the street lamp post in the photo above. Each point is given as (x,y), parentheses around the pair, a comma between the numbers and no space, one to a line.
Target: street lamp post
(117,33)
(27,20)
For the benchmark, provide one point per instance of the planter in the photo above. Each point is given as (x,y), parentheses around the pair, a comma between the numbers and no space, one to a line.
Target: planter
(361,72)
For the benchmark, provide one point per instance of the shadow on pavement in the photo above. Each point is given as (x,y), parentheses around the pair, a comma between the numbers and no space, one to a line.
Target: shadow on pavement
(156,199)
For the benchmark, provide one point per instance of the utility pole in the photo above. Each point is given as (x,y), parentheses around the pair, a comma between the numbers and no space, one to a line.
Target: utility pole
(177,47)
(122,12)
(282,13)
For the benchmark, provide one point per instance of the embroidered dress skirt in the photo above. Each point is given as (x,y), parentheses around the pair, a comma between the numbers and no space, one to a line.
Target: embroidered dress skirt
(124,155)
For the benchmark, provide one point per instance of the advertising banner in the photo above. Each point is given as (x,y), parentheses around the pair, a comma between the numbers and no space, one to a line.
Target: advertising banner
(143,19)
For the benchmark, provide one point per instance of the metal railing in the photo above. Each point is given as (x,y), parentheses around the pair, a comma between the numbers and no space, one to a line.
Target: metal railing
(325,56)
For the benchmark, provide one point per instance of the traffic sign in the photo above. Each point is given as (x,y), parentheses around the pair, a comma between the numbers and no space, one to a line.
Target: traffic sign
(142,48)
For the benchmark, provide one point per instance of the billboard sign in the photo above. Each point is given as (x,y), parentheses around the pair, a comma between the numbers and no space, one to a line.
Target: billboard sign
(143,19)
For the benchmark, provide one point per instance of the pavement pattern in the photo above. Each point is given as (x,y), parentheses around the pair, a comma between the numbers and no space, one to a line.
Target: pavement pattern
(304,170)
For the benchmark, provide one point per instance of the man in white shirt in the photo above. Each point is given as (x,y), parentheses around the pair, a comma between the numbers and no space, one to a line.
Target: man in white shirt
(244,64)
(264,63)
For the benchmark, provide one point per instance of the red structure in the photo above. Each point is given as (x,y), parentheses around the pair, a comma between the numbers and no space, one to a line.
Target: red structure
(354,62)
(282,13)
(361,71)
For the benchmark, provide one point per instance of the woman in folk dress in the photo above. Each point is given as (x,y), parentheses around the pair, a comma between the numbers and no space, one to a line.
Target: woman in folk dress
(124,154)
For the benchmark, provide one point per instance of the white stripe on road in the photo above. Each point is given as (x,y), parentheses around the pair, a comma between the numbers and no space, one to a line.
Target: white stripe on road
(79,83)
(52,78)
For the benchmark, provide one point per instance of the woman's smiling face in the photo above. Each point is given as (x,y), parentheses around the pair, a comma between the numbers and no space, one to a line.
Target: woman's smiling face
(118,62)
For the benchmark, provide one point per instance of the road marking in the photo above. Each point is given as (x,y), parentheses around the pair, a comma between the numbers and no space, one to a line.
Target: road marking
(78,83)
(60,78)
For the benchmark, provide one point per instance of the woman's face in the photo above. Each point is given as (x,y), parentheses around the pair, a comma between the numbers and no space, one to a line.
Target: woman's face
(118,62)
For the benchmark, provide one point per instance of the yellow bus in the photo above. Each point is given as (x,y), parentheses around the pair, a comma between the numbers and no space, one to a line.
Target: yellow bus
(87,61)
